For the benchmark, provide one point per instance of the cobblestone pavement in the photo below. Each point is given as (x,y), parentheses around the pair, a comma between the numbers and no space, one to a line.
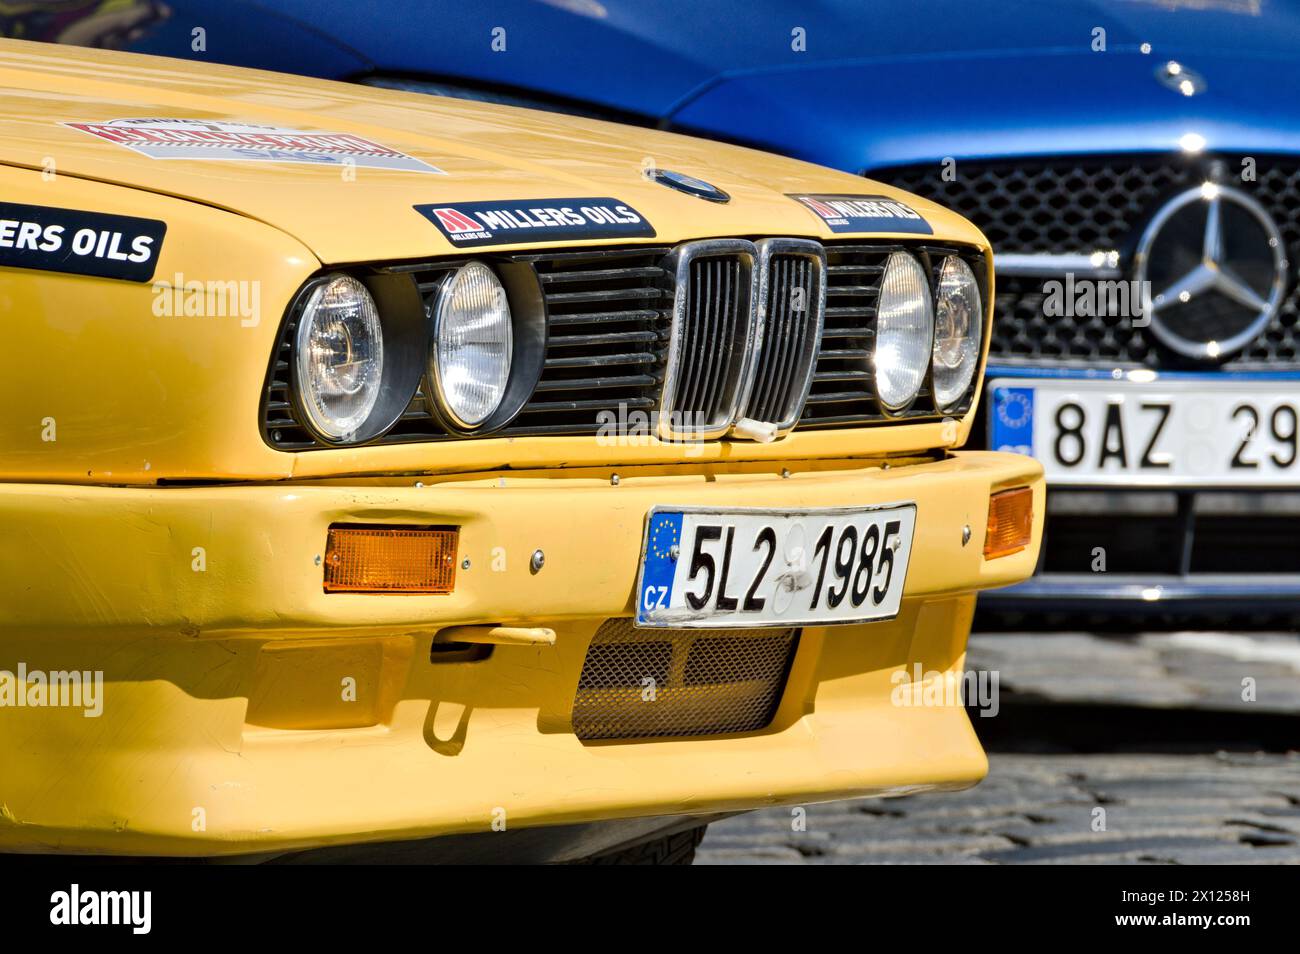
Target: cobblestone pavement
(1196,670)
(1040,809)
(1126,724)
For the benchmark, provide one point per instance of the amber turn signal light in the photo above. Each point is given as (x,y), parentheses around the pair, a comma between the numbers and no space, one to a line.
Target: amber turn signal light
(1011,522)
(390,559)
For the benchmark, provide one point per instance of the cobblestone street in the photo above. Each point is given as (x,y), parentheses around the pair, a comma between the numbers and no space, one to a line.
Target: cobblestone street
(1132,726)
(1039,809)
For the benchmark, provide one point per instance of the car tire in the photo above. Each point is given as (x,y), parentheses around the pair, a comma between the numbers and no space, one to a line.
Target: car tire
(675,849)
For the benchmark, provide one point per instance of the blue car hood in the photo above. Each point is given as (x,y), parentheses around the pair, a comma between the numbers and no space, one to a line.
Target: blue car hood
(669,60)
(894,111)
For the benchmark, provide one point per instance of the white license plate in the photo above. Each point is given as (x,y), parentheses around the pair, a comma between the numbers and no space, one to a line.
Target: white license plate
(743,568)
(1191,432)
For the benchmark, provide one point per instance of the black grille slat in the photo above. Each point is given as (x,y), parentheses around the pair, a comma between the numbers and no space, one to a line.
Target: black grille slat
(834,397)
(586,384)
(597,274)
(596,361)
(851,332)
(860,354)
(548,406)
(586,341)
(856,269)
(602,317)
(601,295)
(842,375)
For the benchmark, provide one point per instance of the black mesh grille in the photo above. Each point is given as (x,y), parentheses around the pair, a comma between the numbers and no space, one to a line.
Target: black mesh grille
(643,683)
(1096,203)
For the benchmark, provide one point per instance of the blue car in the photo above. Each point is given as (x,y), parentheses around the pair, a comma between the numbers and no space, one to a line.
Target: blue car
(1136,165)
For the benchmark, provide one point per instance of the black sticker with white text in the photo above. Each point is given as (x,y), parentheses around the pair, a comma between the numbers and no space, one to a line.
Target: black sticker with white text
(469,224)
(78,242)
(864,213)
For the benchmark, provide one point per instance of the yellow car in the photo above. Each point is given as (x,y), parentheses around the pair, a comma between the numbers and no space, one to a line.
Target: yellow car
(380,468)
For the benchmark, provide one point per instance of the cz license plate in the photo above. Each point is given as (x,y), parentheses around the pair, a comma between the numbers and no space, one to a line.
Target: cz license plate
(752,568)
(1159,433)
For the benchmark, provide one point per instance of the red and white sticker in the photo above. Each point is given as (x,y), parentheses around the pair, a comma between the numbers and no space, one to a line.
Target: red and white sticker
(250,142)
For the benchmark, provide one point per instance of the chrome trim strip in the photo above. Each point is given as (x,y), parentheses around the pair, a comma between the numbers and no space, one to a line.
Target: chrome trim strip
(678,264)
(1095,265)
(767,249)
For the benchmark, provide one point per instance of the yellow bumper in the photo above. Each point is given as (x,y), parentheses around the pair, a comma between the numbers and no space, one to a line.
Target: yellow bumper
(226,725)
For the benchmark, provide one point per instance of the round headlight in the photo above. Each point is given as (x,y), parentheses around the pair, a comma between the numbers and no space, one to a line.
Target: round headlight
(340,357)
(957,329)
(470,360)
(904,331)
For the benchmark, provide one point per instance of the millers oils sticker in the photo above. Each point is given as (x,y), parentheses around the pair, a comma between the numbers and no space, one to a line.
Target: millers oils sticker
(468,224)
(79,243)
(864,213)
(221,140)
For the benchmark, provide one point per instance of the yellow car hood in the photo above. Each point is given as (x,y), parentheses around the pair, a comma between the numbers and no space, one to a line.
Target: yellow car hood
(58,99)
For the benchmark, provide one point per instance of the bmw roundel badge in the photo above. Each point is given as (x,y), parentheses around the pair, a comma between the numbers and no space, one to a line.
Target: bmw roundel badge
(690,185)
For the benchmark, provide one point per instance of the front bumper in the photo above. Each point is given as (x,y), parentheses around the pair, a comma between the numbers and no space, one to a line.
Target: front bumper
(1195,553)
(224,727)
(1180,553)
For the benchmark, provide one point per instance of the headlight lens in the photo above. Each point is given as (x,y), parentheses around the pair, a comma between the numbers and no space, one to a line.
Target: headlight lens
(904,331)
(957,329)
(472,345)
(340,356)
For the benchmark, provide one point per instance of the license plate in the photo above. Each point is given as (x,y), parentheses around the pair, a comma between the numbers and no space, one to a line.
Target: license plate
(1193,432)
(747,568)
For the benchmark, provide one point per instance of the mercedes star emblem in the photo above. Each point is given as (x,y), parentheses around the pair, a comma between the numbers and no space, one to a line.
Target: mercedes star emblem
(1212,269)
